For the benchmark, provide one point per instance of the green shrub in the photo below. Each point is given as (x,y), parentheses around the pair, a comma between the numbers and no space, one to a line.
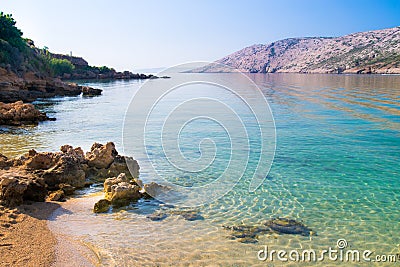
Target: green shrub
(60,66)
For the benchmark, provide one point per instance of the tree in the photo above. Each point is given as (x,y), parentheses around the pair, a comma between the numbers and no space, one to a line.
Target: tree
(9,32)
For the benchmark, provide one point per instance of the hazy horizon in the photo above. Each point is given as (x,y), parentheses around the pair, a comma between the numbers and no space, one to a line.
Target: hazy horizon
(132,35)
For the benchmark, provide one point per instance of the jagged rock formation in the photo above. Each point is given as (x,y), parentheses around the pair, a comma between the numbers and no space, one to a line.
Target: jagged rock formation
(36,174)
(19,113)
(364,52)
(122,190)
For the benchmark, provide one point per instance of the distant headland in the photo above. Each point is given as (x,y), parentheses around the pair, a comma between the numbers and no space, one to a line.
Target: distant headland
(359,53)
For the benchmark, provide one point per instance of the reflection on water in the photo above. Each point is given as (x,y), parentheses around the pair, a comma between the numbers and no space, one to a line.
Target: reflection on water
(336,169)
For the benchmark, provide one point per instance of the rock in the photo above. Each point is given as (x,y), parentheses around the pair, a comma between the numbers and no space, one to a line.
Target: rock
(30,176)
(153,189)
(4,162)
(56,196)
(40,161)
(12,191)
(19,185)
(126,165)
(36,190)
(58,168)
(249,233)
(29,86)
(192,216)
(288,226)
(67,189)
(120,192)
(101,156)
(109,182)
(248,240)
(103,205)
(89,91)
(157,216)
(245,233)
(19,113)
(67,170)
(123,193)
(189,215)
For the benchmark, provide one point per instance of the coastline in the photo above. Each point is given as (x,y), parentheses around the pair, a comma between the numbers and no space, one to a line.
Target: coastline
(27,239)
(26,182)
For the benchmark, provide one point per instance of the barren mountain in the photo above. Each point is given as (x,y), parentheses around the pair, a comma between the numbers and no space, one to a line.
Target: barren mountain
(363,52)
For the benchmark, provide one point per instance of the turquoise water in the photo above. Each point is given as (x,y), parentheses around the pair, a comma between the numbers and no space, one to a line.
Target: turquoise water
(336,168)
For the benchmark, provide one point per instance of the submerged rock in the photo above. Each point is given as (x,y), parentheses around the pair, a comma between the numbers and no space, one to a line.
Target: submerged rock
(245,233)
(189,215)
(289,226)
(153,189)
(157,216)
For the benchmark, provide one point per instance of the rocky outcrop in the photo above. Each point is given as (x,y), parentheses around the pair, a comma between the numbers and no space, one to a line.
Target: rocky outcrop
(33,175)
(89,91)
(29,86)
(364,52)
(120,191)
(101,156)
(103,205)
(94,73)
(19,113)
(123,190)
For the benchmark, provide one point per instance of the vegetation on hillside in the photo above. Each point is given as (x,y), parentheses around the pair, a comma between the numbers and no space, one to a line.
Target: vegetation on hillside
(20,55)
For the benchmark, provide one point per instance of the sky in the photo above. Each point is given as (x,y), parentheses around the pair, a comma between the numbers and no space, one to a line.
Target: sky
(133,35)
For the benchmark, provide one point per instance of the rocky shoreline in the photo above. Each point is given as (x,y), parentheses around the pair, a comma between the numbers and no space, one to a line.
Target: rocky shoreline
(18,113)
(37,176)
(31,86)
(30,187)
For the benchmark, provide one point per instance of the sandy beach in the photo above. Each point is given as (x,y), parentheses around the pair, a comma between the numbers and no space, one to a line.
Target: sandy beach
(26,240)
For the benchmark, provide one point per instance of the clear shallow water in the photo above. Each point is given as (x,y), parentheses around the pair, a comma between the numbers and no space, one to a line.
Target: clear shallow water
(336,168)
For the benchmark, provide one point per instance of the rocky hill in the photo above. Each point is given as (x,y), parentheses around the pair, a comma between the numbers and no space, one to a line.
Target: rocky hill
(363,52)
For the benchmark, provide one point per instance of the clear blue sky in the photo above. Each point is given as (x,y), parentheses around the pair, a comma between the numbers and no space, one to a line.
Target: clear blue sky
(144,34)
